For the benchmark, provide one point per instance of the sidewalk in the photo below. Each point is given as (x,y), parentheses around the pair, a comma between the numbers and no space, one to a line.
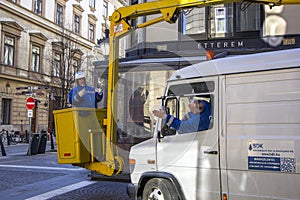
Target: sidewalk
(22,149)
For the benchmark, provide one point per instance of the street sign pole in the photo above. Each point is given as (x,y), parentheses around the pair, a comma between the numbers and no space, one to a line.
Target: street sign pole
(30,136)
(30,103)
(30,124)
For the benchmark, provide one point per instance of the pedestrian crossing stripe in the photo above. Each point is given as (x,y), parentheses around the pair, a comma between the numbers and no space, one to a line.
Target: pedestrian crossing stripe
(42,167)
(62,190)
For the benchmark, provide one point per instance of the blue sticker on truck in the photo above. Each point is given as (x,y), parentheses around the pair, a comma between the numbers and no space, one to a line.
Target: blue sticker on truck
(271,155)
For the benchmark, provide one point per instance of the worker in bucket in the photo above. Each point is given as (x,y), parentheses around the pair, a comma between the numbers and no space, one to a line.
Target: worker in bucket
(198,119)
(83,95)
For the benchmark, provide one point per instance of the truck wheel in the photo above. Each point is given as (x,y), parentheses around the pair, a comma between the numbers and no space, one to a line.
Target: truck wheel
(159,189)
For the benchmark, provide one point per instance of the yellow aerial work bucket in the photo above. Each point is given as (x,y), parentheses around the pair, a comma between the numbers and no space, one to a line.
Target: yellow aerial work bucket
(80,133)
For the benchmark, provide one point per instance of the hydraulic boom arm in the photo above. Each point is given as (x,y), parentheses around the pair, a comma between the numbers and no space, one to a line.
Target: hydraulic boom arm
(169,11)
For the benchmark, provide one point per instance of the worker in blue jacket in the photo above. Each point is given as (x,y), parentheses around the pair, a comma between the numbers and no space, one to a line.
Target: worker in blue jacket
(198,119)
(83,95)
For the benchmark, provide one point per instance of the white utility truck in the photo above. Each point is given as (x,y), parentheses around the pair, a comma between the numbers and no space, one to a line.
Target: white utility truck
(251,150)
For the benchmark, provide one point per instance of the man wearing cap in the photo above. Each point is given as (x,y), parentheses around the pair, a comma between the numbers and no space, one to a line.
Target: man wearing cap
(83,95)
(198,119)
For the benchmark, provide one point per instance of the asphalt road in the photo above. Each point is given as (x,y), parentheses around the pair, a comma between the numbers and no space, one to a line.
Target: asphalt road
(38,177)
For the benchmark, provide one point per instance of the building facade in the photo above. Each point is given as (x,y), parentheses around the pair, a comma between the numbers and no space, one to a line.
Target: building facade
(155,52)
(43,43)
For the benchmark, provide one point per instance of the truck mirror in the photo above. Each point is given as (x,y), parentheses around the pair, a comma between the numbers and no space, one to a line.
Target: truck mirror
(166,131)
(167,109)
(159,136)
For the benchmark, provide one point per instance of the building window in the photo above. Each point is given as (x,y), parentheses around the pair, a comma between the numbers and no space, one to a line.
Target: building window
(92,32)
(77,24)
(36,58)
(6,111)
(59,14)
(57,64)
(75,68)
(105,7)
(38,5)
(248,19)
(9,50)
(103,29)
(220,20)
(75,64)
(194,21)
(92,3)
(14,1)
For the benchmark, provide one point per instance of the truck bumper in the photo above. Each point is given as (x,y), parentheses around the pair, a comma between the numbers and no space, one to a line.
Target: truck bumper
(132,190)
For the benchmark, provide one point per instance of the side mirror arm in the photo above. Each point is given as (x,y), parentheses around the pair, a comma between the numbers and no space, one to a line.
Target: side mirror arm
(159,136)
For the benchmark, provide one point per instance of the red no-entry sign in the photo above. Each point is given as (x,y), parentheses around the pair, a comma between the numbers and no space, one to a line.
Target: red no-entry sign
(30,103)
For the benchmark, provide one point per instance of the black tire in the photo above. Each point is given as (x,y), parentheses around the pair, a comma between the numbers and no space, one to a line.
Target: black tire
(159,189)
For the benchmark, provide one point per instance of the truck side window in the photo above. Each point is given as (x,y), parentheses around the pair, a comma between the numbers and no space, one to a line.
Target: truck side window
(184,109)
(171,105)
(171,108)
(190,106)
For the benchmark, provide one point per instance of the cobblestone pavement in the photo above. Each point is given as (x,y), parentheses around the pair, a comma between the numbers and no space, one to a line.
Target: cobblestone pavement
(12,178)
(101,190)
(38,177)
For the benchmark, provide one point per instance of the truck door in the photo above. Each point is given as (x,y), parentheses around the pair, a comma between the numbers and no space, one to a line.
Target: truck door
(192,157)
